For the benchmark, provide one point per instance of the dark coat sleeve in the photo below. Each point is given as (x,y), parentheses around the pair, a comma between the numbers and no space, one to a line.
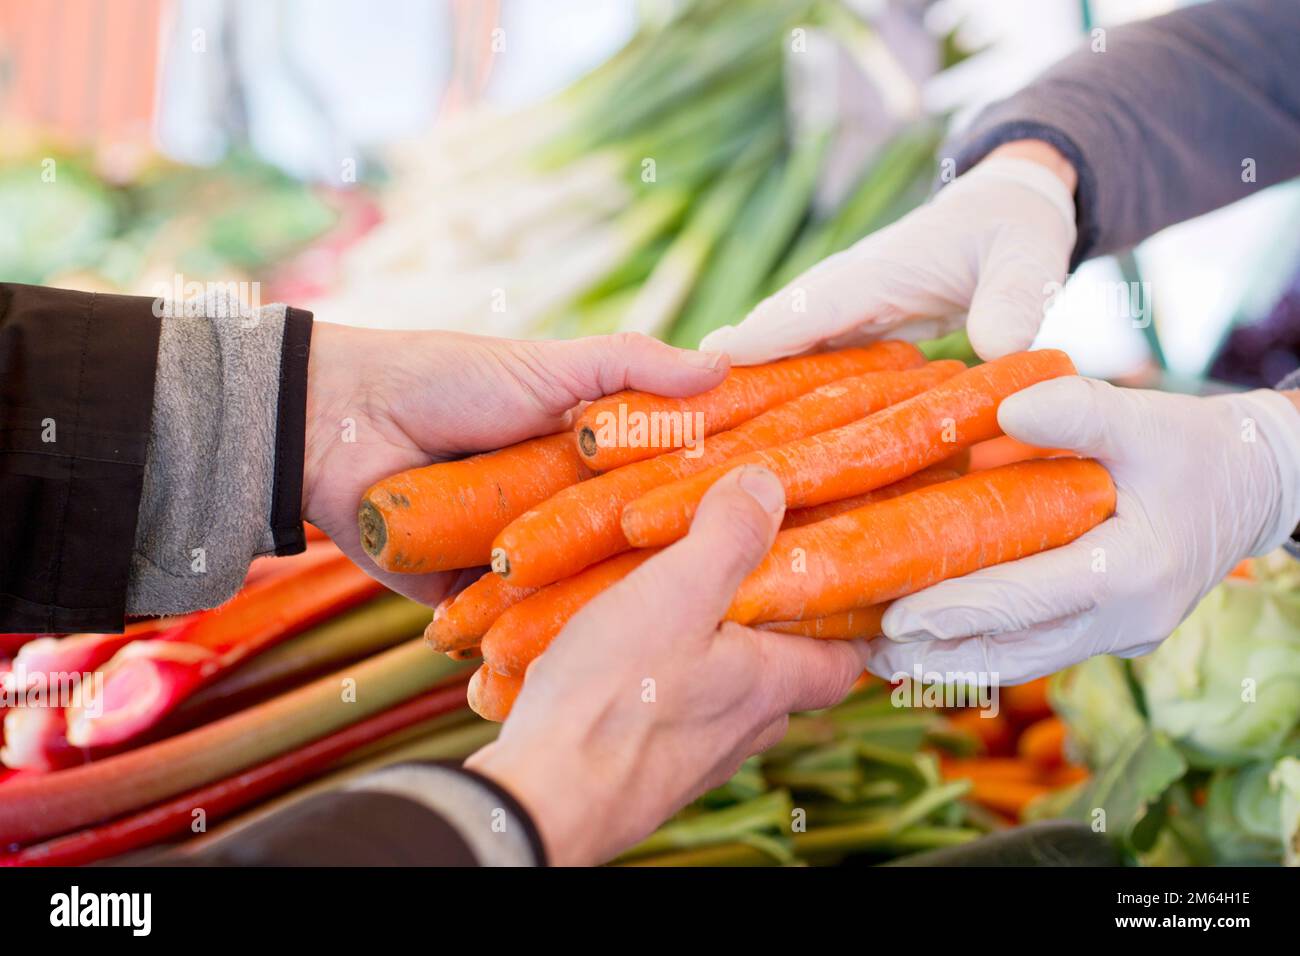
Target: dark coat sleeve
(1163,119)
(76,393)
(441,815)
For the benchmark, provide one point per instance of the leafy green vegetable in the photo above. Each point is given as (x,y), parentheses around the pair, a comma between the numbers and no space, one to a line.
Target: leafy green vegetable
(1124,796)
(1225,686)
(1095,699)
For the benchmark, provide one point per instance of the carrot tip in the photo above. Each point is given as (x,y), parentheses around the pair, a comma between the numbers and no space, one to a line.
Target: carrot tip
(374,532)
(500,562)
(587,441)
(465,653)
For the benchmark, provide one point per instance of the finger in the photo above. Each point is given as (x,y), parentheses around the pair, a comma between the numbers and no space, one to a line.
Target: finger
(990,659)
(1081,414)
(601,365)
(1016,282)
(692,582)
(802,673)
(685,590)
(830,299)
(1015,595)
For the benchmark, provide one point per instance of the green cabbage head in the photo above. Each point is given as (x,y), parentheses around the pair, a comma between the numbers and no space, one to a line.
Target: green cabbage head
(1225,686)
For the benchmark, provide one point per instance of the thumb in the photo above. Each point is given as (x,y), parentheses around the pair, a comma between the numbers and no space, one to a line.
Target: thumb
(603,364)
(1073,412)
(1017,282)
(732,531)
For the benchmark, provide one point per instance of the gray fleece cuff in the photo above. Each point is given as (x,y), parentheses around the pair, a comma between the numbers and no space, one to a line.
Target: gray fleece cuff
(498,831)
(222,409)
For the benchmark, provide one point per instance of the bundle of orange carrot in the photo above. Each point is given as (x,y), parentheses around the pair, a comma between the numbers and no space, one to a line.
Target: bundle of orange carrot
(871,444)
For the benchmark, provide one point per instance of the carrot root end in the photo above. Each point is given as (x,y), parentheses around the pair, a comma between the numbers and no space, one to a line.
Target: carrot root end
(587,441)
(374,531)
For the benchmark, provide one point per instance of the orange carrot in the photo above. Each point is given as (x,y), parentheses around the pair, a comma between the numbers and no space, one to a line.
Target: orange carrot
(858,622)
(581,524)
(1066,776)
(1011,797)
(462,619)
(1026,702)
(930,476)
(1043,743)
(466,653)
(445,516)
(994,733)
(525,630)
(989,768)
(1004,449)
(631,426)
(878,450)
(896,547)
(492,695)
(958,461)
(1245,570)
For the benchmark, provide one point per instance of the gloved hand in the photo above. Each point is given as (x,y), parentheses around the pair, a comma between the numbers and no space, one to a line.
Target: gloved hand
(1202,483)
(644,700)
(995,243)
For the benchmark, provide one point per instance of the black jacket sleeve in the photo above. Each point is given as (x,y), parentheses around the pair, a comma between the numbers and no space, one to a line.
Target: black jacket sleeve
(76,392)
(122,418)
(420,814)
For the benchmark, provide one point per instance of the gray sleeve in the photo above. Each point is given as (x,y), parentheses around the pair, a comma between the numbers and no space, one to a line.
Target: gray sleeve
(1163,119)
(209,497)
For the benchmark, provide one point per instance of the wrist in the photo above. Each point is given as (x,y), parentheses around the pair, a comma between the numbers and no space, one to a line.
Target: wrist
(1268,423)
(1041,153)
(320,427)
(566,802)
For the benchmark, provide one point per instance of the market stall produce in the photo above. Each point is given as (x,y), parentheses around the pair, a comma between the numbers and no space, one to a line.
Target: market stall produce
(1195,749)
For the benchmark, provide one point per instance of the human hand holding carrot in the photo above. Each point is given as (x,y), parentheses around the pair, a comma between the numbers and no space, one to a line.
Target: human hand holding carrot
(644,701)
(381,402)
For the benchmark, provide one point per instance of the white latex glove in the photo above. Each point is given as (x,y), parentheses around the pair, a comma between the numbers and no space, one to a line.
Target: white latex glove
(995,243)
(1202,483)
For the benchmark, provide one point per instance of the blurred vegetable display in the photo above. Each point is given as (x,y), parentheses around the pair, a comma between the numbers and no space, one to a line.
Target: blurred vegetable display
(64,223)
(665,192)
(872,779)
(1194,748)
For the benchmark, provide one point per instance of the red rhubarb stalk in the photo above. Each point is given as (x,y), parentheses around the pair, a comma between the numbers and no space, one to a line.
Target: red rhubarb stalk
(266,568)
(35,728)
(220,799)
(147,679)
(38,806)
(9,643)
(35,739)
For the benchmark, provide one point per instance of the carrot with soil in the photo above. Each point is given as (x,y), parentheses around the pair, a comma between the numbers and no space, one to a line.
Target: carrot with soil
(492,695)
(582,524)
(744,393)
(896,547)
(878,450)
(444,516)
(460,621)
(525,630)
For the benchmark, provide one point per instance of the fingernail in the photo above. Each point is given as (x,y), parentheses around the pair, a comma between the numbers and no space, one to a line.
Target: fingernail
(763,487)
(711,361)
